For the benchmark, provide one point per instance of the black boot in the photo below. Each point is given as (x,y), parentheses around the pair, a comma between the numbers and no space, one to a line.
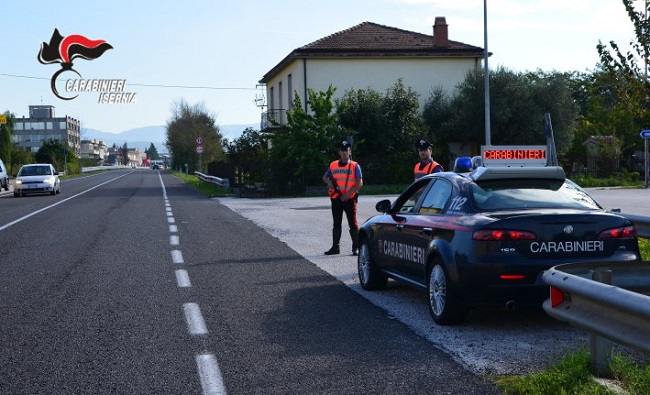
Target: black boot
(354,234)
(336,238)
(333,251)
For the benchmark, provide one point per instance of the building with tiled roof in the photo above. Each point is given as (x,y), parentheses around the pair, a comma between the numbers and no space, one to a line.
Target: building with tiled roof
(369,55)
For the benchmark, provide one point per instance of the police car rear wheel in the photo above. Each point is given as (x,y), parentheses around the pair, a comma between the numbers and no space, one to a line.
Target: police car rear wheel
(443,306)
(370,277)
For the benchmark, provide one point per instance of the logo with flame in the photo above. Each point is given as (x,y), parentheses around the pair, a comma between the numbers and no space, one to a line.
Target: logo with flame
(64,50)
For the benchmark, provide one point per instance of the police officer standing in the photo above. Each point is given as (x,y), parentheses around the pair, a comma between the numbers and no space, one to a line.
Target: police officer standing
(426,165)
(344,179)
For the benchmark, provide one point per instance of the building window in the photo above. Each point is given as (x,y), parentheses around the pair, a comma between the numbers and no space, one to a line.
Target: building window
(289,92)
(271,99)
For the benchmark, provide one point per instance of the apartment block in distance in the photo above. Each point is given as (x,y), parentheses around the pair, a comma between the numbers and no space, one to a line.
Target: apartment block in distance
(43,125)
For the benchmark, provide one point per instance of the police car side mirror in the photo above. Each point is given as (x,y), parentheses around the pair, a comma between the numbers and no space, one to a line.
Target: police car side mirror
(383,206)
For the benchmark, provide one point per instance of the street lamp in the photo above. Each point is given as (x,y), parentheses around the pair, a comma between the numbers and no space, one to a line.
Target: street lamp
(486,77)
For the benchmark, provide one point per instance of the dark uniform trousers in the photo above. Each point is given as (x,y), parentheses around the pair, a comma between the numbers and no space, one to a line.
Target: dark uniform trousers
(349,207)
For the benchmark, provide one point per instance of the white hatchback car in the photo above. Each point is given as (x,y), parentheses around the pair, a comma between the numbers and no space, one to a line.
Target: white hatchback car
(37,178)
(4,177)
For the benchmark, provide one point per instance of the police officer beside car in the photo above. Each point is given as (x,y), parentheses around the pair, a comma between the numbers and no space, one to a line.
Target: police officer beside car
(344,179)
(426,165)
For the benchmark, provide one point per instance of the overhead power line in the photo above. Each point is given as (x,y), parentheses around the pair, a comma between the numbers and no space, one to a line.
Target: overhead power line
(145,85)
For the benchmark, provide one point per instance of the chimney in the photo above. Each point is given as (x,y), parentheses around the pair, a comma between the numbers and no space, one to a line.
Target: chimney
(440,37)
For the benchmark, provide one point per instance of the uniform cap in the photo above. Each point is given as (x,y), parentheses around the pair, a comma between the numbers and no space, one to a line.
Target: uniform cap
(344,145)
(423,144)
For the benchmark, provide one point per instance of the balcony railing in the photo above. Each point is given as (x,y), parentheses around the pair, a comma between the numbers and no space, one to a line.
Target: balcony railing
(271,117)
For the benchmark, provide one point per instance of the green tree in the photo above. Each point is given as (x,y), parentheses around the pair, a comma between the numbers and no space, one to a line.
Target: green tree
(387,127)
(518,102)
(6,131)
(19,157)
(152,152)
(303,147)
(124,152)
(250,153)
(601,113)
(630,69)
(628,74)
(59,155)
(186,124)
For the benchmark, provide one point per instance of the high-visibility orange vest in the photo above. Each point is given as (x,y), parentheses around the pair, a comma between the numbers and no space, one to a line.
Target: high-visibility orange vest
(425,170)
(344,177)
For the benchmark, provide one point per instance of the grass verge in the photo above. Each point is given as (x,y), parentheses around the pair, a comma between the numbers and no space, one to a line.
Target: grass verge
(573,376)
(206,188)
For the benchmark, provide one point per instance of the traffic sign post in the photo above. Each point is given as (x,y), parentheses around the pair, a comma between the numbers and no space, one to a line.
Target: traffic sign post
(645,134)
(199,148)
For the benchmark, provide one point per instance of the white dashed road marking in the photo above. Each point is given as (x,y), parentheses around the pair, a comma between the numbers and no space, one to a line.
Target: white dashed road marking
(210,375)
(177,257)
(183,279)
(194,319)
(207,365)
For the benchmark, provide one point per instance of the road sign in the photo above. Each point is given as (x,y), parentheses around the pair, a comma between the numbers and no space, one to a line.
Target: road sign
(3,119)
(645,133)
(199,140)
(199,149)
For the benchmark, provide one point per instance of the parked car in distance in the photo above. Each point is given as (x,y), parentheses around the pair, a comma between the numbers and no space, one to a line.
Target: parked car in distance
(37,178)
(4,176)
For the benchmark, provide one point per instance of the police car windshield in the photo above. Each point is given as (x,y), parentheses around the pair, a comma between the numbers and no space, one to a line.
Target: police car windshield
(516,194)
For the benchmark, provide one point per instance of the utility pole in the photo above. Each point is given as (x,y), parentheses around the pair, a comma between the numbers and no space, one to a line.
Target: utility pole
(486,77)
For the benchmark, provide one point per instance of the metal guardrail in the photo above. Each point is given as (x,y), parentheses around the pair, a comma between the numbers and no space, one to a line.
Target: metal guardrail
(223,182)
(99,168)
(608,299)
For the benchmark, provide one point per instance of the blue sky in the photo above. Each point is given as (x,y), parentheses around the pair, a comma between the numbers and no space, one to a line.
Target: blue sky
(227,46)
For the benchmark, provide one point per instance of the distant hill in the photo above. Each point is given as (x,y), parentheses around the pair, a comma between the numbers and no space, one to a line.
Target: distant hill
(142,138)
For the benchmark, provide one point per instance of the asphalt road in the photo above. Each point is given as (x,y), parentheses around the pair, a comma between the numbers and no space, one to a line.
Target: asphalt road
(129,282)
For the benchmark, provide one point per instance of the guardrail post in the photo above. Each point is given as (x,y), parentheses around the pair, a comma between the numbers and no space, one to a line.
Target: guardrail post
(600,347)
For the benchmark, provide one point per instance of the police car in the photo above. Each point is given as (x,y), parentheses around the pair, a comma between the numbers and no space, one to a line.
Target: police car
(481,236)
